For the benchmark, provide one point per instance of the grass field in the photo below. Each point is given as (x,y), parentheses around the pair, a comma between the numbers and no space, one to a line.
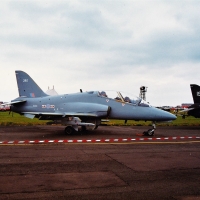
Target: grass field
(189,121)
(7,119)
(16,119)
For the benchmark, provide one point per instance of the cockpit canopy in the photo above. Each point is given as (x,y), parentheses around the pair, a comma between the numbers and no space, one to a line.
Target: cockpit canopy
(123,97)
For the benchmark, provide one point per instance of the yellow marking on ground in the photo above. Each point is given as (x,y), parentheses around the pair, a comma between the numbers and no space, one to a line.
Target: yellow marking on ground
(106,143)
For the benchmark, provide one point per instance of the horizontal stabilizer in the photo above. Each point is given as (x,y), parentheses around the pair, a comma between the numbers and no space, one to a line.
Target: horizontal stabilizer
(13,102)
(186,110)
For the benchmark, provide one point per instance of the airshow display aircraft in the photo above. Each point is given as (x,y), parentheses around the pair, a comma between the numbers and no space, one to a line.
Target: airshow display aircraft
(82,109)
(194,109)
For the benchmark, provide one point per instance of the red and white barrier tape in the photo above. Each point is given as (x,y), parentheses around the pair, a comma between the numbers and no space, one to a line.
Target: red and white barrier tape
(99,140)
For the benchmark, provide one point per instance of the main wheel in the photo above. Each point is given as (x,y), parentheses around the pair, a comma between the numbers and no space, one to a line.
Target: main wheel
(69,130)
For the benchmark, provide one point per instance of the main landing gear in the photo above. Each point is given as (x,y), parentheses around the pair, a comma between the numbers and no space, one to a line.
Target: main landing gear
(150,132)
(74,124)
(69,130)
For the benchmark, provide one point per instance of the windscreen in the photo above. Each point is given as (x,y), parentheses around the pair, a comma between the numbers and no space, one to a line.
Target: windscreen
(121,96)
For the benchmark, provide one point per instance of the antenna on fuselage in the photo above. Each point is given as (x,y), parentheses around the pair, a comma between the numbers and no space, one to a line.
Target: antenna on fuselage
(143,91)
(81,90)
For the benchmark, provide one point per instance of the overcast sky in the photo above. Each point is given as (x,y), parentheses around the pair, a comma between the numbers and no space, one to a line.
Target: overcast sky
(95,45)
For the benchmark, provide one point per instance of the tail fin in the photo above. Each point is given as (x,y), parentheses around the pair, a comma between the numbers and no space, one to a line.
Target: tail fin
(27,86)
(195,92)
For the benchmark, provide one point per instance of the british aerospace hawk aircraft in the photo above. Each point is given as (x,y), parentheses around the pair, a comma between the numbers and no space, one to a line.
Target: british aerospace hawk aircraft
(82,109)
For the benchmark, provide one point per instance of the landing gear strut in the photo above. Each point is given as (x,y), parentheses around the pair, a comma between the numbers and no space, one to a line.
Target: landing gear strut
(150,132)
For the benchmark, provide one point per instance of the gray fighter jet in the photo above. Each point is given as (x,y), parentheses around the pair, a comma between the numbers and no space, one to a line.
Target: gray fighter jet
(82,109)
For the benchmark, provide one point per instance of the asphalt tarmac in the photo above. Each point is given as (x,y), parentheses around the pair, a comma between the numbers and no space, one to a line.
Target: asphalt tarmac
(161,169)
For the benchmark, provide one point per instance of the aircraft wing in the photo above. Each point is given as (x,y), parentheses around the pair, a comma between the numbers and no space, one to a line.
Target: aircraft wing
(64,114)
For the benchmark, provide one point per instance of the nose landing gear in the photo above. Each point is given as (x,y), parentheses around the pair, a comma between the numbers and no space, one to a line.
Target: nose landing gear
(150,132)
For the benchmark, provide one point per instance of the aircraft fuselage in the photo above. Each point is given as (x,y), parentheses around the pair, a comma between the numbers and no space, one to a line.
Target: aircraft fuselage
(92,103)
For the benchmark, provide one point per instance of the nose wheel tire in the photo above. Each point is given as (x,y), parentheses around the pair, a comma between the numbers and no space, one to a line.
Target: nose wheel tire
(150,132)
(69,130)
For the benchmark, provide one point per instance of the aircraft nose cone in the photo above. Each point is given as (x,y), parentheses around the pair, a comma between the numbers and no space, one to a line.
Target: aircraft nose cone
(172,117)
(168,116)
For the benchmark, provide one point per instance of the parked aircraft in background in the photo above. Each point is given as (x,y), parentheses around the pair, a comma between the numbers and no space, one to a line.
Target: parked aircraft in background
(83,108)
(4,106)
(194,109)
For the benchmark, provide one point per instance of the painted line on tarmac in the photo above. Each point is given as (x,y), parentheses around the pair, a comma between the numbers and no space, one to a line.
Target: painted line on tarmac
(110,141)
